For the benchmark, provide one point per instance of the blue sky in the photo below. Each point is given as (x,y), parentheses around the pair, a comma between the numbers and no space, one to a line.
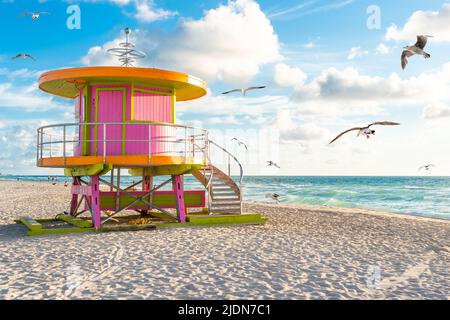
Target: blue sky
(325,71)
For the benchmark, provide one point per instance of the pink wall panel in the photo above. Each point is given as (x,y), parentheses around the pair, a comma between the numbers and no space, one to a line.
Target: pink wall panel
(162,90)
(79,113)
(110,110)
(91,128)
(164,138)
(147,107)
(137,132)
(152,107)
(162,143)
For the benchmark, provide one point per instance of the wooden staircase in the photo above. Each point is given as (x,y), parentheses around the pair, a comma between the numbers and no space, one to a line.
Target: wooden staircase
(225,194)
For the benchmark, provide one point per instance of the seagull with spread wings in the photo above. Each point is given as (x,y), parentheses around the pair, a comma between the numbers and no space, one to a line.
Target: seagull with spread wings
(366,131)
(240,143)
(274,197)
(244,91)
(427,167)
(34,15)
(24,56)
(273,164)
(415,49)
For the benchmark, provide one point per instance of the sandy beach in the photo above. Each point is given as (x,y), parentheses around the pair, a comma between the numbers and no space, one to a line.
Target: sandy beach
(300,253)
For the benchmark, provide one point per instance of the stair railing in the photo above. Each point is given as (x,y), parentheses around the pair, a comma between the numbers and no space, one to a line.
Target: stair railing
(230,157)
(206,156)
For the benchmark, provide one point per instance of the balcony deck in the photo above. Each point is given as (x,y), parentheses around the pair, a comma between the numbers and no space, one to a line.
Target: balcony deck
(80,144)
(121,161)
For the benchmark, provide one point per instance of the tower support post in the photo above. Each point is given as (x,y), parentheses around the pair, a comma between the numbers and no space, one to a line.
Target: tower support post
(74,201)
(147,184)
(95,201)
(177,184)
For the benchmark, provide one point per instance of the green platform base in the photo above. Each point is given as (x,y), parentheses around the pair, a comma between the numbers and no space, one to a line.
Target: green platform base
(64,224)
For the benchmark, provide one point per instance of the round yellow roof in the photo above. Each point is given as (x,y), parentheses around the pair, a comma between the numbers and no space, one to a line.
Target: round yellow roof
(65,82)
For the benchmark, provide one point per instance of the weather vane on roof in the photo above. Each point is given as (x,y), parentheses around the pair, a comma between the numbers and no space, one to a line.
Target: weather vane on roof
(127,55)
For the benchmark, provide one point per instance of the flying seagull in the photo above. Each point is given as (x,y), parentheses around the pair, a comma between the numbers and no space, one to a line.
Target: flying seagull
(240,143)
(427,167)
(271,163)
(24,56)
(366,130)
(274,197)
(244,91)
(34,15)
(415,49)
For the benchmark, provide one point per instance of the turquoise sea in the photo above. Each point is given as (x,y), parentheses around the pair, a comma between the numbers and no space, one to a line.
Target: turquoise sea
(422,196)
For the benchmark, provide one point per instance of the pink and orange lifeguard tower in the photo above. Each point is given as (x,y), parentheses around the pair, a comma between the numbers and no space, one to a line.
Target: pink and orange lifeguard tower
(126,121)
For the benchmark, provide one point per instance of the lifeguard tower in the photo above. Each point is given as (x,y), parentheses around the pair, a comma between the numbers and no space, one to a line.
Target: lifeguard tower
(126,121)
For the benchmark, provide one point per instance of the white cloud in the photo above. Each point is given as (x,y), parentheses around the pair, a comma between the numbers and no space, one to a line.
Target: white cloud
(286,76)
(356,52)
(383,49)
(349,86)
(309,45)
(98,55)
(120,2)
(145,10)
(235,109)
(17,143)
(308,131)
(229,43)
(293,9)
(291,131)
(28,98)
(434,23)
(226,119)
(307,8)
(312,43)
(22,73)
(436,110)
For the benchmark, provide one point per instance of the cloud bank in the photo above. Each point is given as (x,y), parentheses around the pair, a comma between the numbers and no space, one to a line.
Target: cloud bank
(229,43)
(434,23)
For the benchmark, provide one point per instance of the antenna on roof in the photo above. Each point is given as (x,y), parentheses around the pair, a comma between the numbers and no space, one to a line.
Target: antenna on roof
(127,55)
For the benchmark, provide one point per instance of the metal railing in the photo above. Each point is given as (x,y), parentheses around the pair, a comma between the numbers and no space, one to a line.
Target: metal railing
(121,138)
(228,161)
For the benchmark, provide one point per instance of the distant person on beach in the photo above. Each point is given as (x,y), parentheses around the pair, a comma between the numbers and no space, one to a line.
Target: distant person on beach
(66,184)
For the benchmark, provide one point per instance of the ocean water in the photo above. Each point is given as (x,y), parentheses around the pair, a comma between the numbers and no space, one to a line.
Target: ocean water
(422,196)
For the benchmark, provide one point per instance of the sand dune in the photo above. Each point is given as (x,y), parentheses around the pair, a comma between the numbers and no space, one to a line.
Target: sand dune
(301,253)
